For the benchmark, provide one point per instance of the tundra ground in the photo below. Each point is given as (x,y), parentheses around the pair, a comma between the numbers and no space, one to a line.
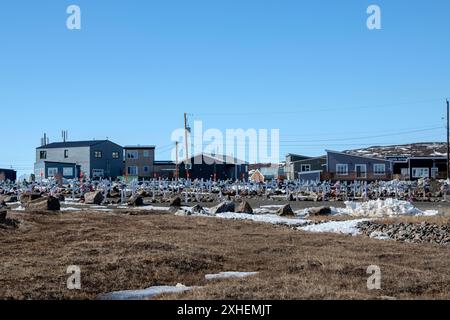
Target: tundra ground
(117,251)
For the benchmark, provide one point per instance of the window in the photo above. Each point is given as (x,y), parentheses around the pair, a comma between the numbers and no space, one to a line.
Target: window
(146,153)
(97,173)
(305,168)
(404,172)
(97,154)
(342,169)
(115,155)
(146,169)
(434,172)
(132,171)
(132,154)
(68,172)
(43,155)
(379,169)
(361,170)
(51,172)
(420,172)
(66,154)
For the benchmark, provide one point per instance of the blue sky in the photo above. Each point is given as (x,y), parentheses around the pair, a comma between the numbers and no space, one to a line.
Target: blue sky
(310,68)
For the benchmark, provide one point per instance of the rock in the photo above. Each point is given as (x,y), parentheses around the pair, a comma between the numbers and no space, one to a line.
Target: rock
(175,202)
(198,209)
(27,197)
(93,198)
(136,200)
(44,203)
(226,206)
(61,197)
(319,211)
(244,207)
(8,198)
(183,212)
(286,211)
(3,215)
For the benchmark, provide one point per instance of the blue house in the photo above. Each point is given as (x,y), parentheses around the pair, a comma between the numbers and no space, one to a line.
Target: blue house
(348,167)
(48,169)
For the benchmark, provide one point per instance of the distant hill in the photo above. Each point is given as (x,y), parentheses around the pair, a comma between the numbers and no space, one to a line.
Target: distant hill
(421,149)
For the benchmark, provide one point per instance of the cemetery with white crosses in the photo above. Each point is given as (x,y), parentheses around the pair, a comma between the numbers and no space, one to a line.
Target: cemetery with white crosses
(360,185)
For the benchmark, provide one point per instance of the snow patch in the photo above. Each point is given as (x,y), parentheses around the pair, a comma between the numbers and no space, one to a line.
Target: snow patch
(266,218)
(382,208)
(145,294)
(346,227)
(226,275)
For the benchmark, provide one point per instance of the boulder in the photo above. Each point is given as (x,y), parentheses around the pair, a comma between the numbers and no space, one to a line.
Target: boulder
(183,212)
(93,198)
(3,215)
(198,209)
(226,206)
(136,200)
(286,211)
(44,203)
(244,207)
(29,196)
(8,198)
(319,211)
(175,202)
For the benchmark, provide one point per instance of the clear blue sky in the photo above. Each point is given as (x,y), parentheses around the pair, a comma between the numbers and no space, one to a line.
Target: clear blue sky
(310,68)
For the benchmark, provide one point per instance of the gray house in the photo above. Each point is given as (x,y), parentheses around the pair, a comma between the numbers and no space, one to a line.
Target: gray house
(297,166)
(96,158)
(348,167)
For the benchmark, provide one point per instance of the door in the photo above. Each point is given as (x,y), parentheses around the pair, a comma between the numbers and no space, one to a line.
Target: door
(361,171)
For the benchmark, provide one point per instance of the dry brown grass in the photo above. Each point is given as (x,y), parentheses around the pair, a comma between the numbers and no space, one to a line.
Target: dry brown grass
(118,252)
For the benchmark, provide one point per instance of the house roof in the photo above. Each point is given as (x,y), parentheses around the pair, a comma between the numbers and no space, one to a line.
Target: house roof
(357,156)
(138,147)
(218,159)
(72,144)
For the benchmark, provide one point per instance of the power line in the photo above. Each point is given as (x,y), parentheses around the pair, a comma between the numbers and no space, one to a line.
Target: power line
(319,109)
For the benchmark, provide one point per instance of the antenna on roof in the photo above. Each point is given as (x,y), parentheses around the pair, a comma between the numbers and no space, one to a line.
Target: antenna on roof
(44,140)
(65,135)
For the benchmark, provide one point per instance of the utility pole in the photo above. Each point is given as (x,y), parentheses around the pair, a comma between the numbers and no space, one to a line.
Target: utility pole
(448,139)
(177,170)
(186,165)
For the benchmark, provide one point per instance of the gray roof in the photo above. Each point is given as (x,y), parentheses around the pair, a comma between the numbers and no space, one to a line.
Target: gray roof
(139,147)
(72,144)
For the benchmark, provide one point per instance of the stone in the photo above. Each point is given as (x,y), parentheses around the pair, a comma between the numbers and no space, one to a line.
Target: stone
(226,206)
(8,198)
(3,215)
(44,203)
(320,211)
(286,211)
(27,197)
(175,202)
(93,198)
(198,209)
(136,200)
(244,207)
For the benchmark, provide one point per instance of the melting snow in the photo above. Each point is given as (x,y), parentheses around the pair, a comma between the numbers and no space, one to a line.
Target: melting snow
(226,275)
(382,208)
(145,294)
(346,227)
(267,218)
